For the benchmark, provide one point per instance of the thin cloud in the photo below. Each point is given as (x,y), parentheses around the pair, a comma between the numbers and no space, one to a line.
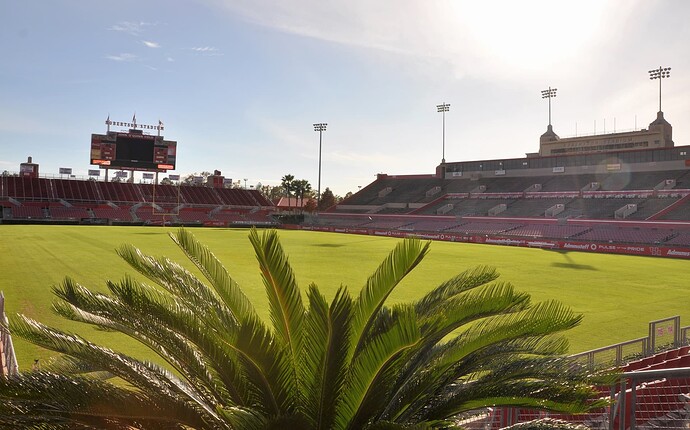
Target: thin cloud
(124,57)
(151,44)
(130,27)
(447,33)
(170,59)
(209,51)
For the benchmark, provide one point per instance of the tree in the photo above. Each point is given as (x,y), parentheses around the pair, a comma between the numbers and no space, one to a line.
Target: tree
(298,188)
(286,182)
(327,199)
(166,181)
(310,206)
(272,193)
(191,178)
(302,187)
(356,363)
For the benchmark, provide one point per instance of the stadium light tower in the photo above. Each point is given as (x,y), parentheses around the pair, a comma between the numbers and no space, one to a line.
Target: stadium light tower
(549,94)
(444,107)
(320,127)
(660,73)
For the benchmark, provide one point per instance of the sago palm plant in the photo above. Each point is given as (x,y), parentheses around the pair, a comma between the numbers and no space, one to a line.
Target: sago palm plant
(353,363)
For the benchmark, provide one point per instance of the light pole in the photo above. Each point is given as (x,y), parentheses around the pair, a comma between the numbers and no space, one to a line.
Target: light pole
(660,73)
(444,107)
(320,127)
(548,94)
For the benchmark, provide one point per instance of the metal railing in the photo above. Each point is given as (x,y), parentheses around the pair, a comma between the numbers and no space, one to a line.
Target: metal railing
(614,355)
(663,334)
(640,400)
(651,399)
(9,360)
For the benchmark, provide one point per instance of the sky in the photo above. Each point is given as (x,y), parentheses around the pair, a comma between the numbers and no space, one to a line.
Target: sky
(240,83)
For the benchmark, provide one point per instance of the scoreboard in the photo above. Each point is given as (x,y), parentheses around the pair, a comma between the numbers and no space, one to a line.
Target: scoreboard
(133,150)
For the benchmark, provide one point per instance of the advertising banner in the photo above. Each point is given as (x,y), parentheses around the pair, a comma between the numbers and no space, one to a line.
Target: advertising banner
(631,249)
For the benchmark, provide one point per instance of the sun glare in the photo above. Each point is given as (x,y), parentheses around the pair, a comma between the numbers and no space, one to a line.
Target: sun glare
(529,35)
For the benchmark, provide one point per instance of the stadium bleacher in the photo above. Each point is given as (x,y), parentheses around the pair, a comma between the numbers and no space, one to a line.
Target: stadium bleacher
(115,213)
(679,211)
(626,235)
(547,231)
(617,207)
(72,200)
(59,211)
(475,227)
(529,205)
(29,211)
(534,207)
(197,215)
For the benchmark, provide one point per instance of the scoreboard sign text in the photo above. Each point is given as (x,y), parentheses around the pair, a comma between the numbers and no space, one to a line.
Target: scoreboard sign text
(133,150)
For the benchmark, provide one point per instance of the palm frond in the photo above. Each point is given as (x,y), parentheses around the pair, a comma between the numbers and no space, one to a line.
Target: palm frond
(243,418)
(455,311)
(149,378)
(164,324)
(462,282)
(464,308)
(496,336)
(179,282)
(216,273)
(552,383)
(56,398)
(373,371)
(265,363)
(324,363)
(544,318)
(285,303)
(404,257)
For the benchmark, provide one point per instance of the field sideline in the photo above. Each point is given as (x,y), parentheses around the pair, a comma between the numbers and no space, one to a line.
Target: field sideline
(617,294)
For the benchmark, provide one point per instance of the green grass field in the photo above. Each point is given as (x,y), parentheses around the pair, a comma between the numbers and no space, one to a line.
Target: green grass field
(618,295)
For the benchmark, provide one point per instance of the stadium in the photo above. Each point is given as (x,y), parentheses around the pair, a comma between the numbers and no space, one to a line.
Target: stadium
(620,193)
(460,262)
(626,193)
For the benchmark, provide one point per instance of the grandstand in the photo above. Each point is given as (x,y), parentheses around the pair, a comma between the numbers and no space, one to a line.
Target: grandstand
(642,199)
(607,193)
(27,199)
(605,200)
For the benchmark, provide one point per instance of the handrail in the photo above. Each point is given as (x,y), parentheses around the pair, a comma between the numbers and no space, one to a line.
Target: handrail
(6,339)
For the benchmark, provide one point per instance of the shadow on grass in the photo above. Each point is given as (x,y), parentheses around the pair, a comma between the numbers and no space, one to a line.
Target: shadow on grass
(574,266)
(329,245)
(570,263)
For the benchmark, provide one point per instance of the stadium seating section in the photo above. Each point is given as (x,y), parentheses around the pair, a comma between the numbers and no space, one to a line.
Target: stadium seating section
(61,200)
(651,208)
(625,208)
